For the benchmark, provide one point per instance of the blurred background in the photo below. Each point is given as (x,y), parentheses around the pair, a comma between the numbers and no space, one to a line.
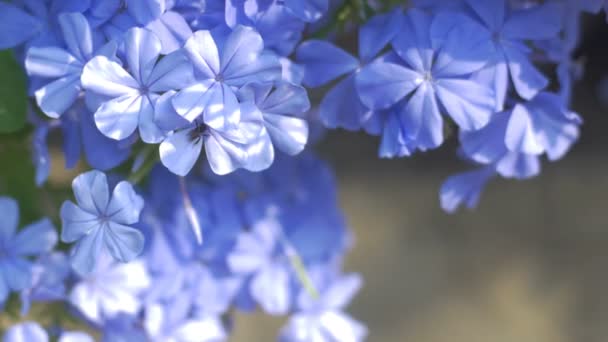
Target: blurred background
(530,264)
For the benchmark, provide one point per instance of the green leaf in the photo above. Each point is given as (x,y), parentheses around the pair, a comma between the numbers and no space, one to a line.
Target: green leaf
(13,94)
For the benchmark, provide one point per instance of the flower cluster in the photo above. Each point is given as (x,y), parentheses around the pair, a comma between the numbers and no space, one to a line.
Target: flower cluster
(154,83)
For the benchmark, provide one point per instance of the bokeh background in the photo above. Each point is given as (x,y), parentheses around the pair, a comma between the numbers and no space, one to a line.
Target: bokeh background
(530,264)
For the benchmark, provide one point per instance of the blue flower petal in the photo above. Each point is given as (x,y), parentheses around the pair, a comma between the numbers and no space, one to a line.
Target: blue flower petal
(381,84)
(16,26)
(36,238)
(91,191)
(124,243)
(323,62)
(180,151)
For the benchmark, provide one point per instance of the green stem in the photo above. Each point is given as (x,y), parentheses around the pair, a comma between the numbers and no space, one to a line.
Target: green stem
(300,269)
(152,157)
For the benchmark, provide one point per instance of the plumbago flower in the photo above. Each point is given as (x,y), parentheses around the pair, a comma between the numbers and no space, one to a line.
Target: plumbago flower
(511,145)
(226,76)
(64,66)
(324,62)
(221,64)
(429,74)
(112,289)
(127,98)
(508,30)
(33,332)
(323,319)
(34,23)
(246,145)
(100,222)
(17,247)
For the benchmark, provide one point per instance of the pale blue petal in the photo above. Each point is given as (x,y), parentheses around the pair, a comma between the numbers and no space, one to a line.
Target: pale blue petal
(518,166)
(124,243)
(84,254)
(270,288)
(191,102)
(222,107)
(520,136)
(487,145)
(342,291)
(286,98)
(107,78)
(265,68)
(25,332)
(172,30)
(469,104)
(149,131)
(91,191)
(527,79)
(75,222)
(202,51)
(51,62)
(288,134)
(180,151)
(57,97)
(464,188)
(174,71)
(125,205)
(143,49)
(165,115)
(119,118)
(421,119)
(77,35)
(223,154)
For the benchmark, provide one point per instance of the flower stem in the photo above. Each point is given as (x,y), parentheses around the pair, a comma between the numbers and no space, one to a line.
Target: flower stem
(152,157)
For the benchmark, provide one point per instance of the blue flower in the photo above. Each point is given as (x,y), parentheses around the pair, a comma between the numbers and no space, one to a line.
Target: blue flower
(323,319)
(259,255)
(48,280)
(62,68)
(128,97)
(17,247)
(34,22)
(430,74)
(221,63)
(172,321)
(508,30)
(282,106)
(246,145)
(111,290)
(26,331)
(100,222)
(265,17)
(324,62)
